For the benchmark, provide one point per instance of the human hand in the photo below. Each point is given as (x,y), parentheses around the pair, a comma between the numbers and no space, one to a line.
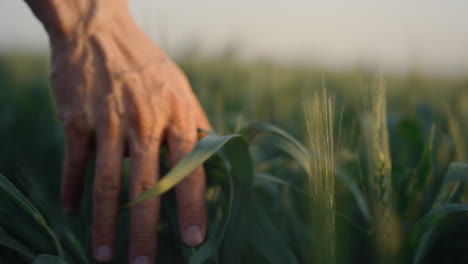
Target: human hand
(118,93)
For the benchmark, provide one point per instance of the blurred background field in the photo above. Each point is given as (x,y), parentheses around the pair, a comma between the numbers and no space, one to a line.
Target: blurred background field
(241,80)
(235,94)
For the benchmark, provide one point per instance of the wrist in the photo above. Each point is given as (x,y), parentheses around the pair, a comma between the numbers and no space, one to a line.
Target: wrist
(72,19)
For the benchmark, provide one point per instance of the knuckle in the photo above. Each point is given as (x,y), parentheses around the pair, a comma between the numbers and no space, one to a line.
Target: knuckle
(179,151)
(185,137)
(145,126)
(194,182)
(141,115)
(106,187)
(146,119)
(149,140)
(110,119)
(191,198)
(75,123)
(74,117)
(183,121)
(191,210)
(182,134)
(141,187)
(110,111)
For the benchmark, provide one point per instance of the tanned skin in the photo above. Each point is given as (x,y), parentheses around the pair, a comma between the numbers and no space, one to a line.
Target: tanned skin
(117,93)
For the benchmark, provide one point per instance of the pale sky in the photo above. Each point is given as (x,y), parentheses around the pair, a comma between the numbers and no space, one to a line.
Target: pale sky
(383,34)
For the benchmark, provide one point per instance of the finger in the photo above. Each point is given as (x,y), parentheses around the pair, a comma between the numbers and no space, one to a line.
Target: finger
(201,134)
(144,217)
(77,155)
(202,122)
(191,191)
(107,187)
(201,118)
(203,125)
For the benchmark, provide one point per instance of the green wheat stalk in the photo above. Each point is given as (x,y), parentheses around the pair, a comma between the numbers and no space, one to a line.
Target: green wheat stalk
(320,114)
(375,131)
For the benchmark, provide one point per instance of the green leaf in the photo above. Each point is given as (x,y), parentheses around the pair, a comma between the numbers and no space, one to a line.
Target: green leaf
(240,169)
(356,192)
(302,158)
(457,172)
(255,129)
(48,259)
(212,244)
(11,243)
(427,241)
(452,187)
(433,218)
(20,199)
(449,192)
(420,174)
(299,152)
(205,148)
(77,247)
(267,238)
(12,192)
(272,179)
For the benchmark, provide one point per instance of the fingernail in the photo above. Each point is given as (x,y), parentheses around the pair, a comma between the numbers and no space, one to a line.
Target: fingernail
(193,236)
(141,260)
(104,254)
